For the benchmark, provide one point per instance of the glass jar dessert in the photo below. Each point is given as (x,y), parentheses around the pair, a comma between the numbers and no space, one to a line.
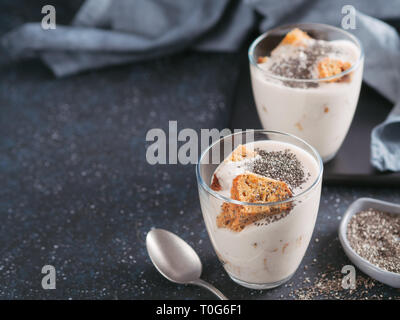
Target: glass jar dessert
(306,81)
(260,203)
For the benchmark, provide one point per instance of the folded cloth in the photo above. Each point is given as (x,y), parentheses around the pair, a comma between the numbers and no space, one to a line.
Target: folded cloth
(108,32)
(382,71)
(385,143)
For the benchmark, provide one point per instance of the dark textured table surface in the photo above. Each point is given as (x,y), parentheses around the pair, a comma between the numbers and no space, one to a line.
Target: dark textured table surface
(77,193)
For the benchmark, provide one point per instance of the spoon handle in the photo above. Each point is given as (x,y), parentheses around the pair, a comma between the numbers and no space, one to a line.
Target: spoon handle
(210,287)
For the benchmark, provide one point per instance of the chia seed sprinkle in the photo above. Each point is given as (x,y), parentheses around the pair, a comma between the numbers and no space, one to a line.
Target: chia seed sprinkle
(302,63)
(280,165)
(375,236)
(272,218)
(328,285)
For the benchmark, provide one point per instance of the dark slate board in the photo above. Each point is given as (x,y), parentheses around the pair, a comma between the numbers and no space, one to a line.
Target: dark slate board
(351,166)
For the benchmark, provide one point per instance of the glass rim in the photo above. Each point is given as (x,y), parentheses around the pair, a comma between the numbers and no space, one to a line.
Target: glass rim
(294,25)
(264,204)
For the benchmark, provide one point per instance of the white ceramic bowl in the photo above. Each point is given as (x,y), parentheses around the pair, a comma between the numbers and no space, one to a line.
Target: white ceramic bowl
(390,278)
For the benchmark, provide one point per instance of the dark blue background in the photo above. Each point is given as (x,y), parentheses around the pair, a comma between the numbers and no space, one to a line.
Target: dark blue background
(76,191)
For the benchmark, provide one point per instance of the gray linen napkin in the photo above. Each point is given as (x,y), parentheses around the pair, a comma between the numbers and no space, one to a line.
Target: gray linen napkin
(385,143)
(382,71)
(108,32)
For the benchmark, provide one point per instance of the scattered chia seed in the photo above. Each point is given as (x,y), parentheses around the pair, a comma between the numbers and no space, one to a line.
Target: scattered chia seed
(280,165)
(328,285)
(271,218)
(302,63)
(375,236)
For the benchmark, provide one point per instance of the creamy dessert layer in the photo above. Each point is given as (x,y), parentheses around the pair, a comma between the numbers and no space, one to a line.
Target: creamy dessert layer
(263,242)
(292,94)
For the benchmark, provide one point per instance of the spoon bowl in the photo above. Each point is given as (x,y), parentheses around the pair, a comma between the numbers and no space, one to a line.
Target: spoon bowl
(176,260)
(172,256)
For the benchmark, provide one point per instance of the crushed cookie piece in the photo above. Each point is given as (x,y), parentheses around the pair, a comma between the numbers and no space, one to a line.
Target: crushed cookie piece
(284,247)
(262,59)
(240,153)
(295,37)
(299,126)
(298,241)
(255,189)
(264,108)
(328,67)
(215,185)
